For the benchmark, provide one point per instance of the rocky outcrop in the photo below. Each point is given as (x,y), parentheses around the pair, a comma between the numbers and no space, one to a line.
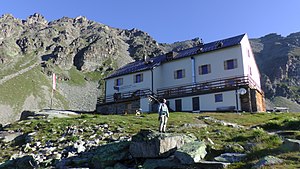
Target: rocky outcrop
(278,60)
(230,157)
(191,153)
(150,144)
(291,145)
(267,161)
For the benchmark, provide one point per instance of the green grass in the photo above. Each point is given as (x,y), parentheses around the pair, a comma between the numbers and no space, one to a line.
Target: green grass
(19,64)
(283,102)
(15,91)
(76,77)
(225,138)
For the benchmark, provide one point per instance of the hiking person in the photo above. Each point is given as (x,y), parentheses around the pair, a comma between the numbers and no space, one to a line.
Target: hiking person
(163,115)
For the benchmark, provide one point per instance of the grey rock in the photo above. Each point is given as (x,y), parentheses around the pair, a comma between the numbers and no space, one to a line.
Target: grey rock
(7,136)
(290,145)
(230,157)
(267,161)
(150,144)
(120,166)
(170,162)
(210,165)
(79,146)
(236,148)
(110,154)
(27,162)
(191,152)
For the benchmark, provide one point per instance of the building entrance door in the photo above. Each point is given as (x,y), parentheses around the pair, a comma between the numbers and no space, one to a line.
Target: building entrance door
(178,105)
(196,104)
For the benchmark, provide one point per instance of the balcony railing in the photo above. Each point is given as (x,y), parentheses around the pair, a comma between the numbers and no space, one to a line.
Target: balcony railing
(126,96)
(207,87)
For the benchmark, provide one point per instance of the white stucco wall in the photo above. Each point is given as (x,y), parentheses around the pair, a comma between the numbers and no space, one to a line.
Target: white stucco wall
(216,60)
(249,61)
(145,105)
(207,101)
(128,83)
(164,75)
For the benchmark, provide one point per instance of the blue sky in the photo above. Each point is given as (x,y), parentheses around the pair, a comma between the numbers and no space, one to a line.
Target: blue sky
(173,20)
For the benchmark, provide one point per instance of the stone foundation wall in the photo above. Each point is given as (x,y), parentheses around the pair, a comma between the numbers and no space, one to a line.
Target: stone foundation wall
(119,108)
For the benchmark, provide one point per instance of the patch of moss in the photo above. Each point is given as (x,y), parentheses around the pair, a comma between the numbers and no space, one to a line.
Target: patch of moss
(76,77)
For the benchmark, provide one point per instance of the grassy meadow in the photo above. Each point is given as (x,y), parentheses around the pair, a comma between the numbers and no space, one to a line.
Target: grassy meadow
(224,138)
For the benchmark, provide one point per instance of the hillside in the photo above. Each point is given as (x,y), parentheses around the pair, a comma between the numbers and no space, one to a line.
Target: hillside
(278,59)
(82,52)
(102,141)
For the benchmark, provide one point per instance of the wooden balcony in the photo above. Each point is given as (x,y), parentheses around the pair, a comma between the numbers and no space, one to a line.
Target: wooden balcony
(124,97)
(206,87)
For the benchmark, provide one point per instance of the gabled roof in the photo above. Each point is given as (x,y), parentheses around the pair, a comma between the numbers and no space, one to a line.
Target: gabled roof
(142,65)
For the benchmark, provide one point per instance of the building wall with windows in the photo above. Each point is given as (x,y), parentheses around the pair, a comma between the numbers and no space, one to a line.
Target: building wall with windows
(217,62)
(129,82)
(228,100)
(169,74)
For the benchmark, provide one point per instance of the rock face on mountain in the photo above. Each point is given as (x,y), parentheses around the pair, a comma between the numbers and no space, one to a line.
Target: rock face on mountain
(278,59)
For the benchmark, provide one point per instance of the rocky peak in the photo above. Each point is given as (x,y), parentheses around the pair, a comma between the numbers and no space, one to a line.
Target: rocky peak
(272,37)
(80,19)
(278,59)
(36,19)
(10,26)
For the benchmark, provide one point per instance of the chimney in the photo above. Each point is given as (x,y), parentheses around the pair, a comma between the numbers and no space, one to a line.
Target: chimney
(170,55)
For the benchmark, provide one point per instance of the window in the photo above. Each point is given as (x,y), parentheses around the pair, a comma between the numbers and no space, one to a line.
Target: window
(230,64)
(218,97)
(250,70)
(119,82)
(178,74)
(249,55)
(204,69)
(138,78)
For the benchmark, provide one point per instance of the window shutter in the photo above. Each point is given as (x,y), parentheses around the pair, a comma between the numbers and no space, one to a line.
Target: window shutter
(209,69)
(225,65)
(142,77)
(175,74)
(183,73)
(200,70)
(235,63)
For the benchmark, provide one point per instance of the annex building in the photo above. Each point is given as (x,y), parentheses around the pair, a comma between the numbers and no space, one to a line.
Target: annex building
(217,76)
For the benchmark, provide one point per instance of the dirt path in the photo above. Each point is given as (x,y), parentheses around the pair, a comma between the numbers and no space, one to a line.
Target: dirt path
(8,77)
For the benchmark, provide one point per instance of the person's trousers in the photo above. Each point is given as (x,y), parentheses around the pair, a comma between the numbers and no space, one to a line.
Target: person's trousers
(163,123)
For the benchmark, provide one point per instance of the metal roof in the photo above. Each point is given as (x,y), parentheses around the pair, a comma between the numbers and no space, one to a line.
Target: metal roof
(142,65)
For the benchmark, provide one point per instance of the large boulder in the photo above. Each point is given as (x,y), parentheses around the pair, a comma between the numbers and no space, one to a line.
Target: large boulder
(151,144)
(209,164)
(8,136)
(110,154)
(170,162)
(26,162)
(230,157)
(191,152)
(290,145)
(267,161)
